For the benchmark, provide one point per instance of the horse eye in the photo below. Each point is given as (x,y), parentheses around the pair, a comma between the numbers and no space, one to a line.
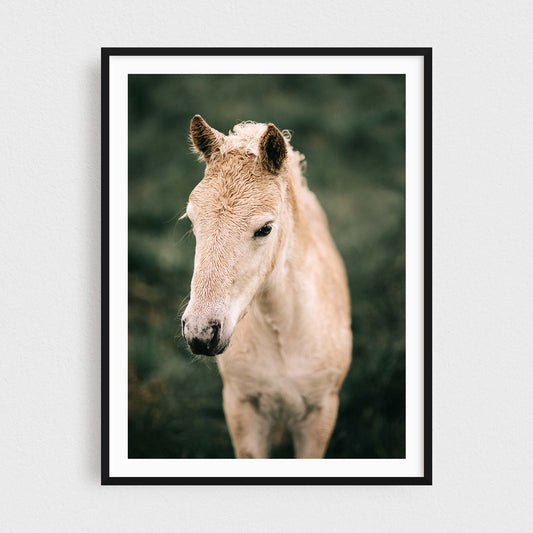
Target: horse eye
(264,231)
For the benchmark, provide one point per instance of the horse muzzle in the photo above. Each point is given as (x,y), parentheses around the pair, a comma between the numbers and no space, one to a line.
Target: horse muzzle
(203,339)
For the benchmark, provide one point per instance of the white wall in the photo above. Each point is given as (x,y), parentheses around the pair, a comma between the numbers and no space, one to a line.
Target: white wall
(50,264)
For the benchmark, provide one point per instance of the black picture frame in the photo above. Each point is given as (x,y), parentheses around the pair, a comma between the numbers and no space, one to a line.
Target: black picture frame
(426,54)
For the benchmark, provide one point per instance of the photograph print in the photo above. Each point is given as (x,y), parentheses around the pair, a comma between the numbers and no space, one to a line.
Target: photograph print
(266,261)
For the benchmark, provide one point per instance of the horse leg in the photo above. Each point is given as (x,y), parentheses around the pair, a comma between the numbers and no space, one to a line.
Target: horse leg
(311,435)
(248,429)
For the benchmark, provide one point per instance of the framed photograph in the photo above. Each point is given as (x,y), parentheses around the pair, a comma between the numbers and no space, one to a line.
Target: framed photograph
(266,266)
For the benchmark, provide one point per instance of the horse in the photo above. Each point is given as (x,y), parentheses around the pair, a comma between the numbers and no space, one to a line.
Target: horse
(269,293)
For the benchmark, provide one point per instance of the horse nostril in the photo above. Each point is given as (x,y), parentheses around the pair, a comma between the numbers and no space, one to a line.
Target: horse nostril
(215,326)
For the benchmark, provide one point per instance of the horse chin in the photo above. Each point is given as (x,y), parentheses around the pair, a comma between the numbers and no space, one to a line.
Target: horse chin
(221,349)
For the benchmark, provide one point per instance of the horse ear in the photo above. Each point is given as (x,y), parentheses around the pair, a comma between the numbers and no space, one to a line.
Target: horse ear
(272,149)
(205,138)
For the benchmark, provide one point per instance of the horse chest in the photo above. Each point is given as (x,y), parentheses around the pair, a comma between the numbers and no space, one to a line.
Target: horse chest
(279,391)
(279,397)
(281,374)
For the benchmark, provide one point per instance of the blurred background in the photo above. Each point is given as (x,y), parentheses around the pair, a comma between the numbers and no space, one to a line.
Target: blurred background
(351,129)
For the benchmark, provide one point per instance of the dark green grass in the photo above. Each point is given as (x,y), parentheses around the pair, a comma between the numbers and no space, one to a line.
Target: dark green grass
(352,131)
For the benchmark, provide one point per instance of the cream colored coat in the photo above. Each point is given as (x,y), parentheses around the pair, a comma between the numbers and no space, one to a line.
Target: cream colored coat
(274,308)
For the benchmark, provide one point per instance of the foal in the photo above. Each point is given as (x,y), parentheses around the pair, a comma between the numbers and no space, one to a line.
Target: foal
(269,289)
